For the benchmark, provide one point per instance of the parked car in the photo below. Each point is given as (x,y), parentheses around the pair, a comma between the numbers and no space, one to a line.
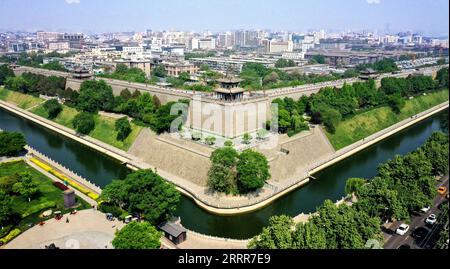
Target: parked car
(404,246)
(431,219)
(420,233)
(402,229)
(442,190)
(425,209)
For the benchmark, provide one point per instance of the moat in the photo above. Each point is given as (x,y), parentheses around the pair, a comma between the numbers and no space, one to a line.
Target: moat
(329,184)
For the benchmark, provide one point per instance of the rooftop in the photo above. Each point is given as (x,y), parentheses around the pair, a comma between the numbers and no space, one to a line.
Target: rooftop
(229,91)
(227,80)
(172,228)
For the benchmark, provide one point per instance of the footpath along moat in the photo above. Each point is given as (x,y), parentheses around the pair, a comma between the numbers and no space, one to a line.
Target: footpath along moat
(329,183)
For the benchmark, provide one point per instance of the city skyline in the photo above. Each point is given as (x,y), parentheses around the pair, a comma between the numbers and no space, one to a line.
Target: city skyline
(429,17)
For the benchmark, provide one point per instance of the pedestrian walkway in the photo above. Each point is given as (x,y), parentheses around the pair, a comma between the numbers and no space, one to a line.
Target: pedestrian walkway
(88,229)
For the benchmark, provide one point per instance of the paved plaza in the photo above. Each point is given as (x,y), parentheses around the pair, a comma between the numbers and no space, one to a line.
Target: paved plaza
(88,229)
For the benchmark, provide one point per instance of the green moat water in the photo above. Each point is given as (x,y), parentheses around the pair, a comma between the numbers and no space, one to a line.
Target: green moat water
(329,184)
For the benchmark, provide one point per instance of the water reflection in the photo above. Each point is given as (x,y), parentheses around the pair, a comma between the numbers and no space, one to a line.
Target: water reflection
(330,183)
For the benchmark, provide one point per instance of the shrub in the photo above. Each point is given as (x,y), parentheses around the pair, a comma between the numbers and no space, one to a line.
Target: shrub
(246,138)
(196,136)
(228,143)
(113,209)
(36,208)
(210,140)
(10,236)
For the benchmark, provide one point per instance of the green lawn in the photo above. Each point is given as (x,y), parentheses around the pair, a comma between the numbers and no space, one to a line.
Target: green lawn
(104,127)
(23,101)
(365,124)
(105,131)
(64,118)
(48,196)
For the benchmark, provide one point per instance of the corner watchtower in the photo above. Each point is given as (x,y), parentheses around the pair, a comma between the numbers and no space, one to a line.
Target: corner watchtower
(229,89)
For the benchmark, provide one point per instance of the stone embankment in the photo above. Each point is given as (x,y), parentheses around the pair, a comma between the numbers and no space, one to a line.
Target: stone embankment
(225,205)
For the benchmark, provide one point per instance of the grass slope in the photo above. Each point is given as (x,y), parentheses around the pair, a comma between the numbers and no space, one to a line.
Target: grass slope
(104,126)
(367,123)
(23,101)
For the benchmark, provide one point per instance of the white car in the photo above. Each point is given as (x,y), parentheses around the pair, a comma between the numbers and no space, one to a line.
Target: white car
(402,229)
(431,219)
(425,209)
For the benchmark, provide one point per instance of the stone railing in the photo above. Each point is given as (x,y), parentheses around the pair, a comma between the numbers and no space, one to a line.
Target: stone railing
(215,238)
(66,171)
(377,135)
(276,189)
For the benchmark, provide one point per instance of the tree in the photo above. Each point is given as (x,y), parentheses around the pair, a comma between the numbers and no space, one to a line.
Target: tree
(144,193)
(54,66)
(319,59)
(18,84)
(25,186)
(309,236)
(271,78)
(222,179)
(5,208)
(137,235)
(53,108)
(204,67)
(7,182)
(70,96)
(353,185)
(123,128)
(282,63)
(226,156)
(284,120)
(222,174)
(378,199)
(5,73)
(160,71)
(84,123)
(253,171)
(344,226)
(125,94)
(277,235)
(411,177)
(442,77)
(436,150)
(135,94)
(156,102)
(11,143)
(331,118)
(94,96)
(184,76)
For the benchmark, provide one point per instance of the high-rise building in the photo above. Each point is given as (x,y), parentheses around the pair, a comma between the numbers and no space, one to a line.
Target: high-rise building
(239,38)
(225,40)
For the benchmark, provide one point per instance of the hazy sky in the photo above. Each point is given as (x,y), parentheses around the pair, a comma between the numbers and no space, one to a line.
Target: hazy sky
(428,16)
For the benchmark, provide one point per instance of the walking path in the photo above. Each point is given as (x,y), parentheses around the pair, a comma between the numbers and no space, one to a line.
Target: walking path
(88,229)
(89,200)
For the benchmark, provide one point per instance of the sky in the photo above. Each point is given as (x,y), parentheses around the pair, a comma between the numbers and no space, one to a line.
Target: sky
(430,17)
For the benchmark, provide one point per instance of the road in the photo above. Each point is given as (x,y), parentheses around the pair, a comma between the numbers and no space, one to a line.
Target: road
(394,241)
